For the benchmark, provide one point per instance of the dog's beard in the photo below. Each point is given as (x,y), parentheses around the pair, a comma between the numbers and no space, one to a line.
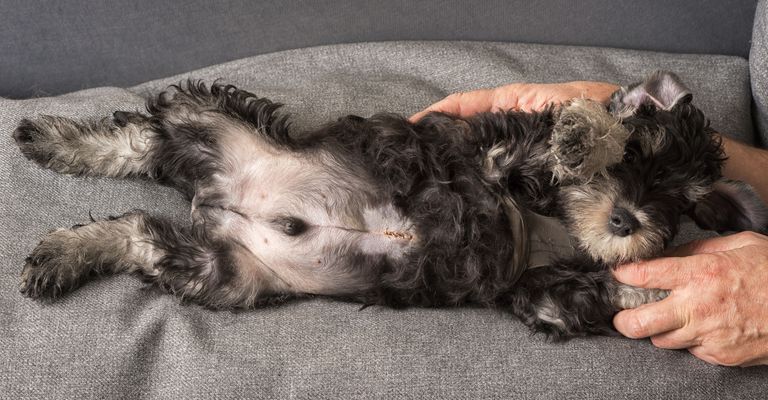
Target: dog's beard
(588,208)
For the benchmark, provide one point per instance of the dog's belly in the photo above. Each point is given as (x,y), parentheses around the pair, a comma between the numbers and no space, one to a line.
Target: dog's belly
(325,259)
(304,217)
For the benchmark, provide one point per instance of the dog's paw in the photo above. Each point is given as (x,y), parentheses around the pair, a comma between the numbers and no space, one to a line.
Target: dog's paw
(34,141)
(55,143)
(52,268)
(625,297)
(585,140)
(573,143)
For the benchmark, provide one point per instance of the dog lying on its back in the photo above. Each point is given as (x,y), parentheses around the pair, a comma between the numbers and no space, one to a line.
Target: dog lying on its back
(442,212)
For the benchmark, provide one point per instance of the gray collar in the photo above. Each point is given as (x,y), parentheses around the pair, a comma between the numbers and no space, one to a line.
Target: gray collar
(539,240)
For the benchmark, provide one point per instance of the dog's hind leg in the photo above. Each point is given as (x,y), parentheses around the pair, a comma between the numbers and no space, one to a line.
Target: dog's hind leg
(182,141)
(65,258)
(186,262)
(116,147)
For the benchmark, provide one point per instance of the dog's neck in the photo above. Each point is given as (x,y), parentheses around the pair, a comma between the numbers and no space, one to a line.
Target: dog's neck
(540,240)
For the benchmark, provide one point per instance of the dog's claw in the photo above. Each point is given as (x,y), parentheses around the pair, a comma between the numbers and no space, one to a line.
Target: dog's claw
(25,132)
(46,272)
(38,281)
(32,142)
(24,279)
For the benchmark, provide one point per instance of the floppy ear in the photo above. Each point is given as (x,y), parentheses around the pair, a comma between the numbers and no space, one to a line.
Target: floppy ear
(663,90)
(731,206)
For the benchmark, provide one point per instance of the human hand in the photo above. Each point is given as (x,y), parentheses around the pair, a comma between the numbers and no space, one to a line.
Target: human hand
(718,304)
(519,96)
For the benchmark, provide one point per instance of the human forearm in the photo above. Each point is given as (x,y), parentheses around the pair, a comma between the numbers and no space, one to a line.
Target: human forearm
(748,164)
(519,96)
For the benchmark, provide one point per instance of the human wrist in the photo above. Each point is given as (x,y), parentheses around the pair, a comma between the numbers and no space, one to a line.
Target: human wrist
(745,163)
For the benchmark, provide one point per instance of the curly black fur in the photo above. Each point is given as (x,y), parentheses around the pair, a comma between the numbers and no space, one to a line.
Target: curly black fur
(430,169)
(448,176)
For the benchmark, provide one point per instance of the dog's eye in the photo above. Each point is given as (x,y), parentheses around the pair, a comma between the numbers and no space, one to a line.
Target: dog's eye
(291,226)
(629,156)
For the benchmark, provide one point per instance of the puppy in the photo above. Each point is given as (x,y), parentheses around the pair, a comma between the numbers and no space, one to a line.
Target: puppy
(517,211)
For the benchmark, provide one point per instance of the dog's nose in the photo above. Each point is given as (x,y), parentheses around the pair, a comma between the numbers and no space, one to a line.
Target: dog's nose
(622,222)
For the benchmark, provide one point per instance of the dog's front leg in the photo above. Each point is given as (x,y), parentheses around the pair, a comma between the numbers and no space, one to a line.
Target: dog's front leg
(585,141)
(575,298)
(570,298)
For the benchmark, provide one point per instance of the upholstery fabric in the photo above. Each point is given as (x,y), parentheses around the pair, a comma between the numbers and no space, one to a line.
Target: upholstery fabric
(758,68)
(51,47)
(112,339)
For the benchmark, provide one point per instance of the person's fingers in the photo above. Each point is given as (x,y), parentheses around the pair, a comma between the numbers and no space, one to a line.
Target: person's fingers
(702,354)
(660,273)
(721,243)
(730,357)
(755,362)
(446,105)
(460,104)
(682,338)
(650,319)
(419,115)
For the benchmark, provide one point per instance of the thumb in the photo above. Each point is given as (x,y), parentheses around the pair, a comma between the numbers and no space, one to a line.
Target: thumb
(661,273)
(461,104)
(449,105)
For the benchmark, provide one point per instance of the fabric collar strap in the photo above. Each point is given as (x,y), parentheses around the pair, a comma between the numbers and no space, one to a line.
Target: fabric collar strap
(539,240)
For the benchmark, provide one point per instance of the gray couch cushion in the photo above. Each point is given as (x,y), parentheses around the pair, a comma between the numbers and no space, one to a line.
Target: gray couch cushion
(758,67)
(52,47)
(113,339)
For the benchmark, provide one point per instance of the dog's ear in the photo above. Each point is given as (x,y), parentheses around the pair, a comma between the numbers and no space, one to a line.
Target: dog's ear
(662,90)
(731,206)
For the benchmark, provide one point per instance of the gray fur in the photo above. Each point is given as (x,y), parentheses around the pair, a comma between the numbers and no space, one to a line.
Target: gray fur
(66,257)
(100,148)
(586,140)
(380,210)
(625,297)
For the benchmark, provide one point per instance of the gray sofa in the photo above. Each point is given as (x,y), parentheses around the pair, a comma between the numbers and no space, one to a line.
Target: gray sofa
(114,339)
